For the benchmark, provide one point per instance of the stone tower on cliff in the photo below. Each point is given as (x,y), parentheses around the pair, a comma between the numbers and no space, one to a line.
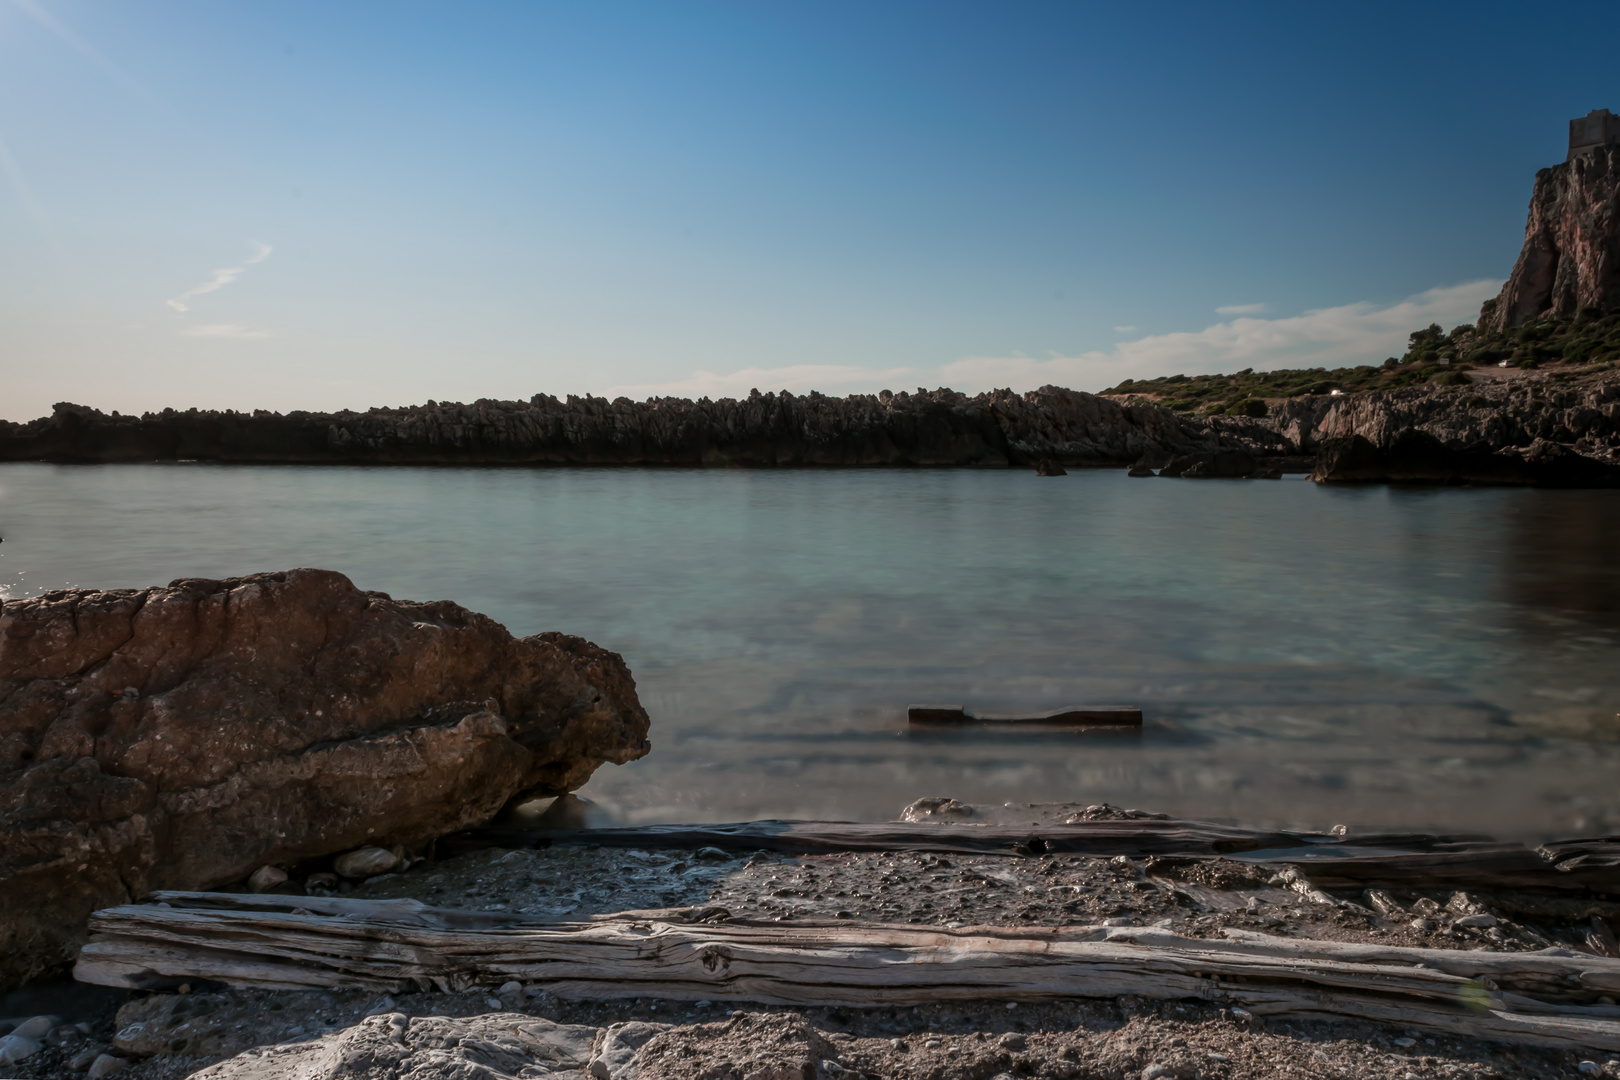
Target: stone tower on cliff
(1570,261)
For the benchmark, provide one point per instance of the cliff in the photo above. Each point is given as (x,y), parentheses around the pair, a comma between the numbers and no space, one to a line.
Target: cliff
(939,427)
(1570,261)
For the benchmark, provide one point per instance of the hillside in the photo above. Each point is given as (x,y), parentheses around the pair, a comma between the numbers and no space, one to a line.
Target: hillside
(1572,346)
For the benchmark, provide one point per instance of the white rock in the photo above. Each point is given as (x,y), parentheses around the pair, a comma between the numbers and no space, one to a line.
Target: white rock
(36,1027)
(615,1056)
(1477,921)
(366,862)
(1157,1071)
(507,988)
(105,1065)
(266,878)
(14,1048)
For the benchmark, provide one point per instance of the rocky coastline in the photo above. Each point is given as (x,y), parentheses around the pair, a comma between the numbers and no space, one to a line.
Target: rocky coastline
(1552,428)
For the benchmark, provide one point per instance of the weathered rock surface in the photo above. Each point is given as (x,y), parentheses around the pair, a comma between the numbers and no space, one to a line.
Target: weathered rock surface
(1571,255)
(939,427)
(183,737)
(490,1047)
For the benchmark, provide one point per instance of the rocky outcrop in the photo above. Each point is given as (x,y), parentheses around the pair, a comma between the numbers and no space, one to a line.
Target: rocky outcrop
(1418,457)
(1570,261)
(1581,414)
(182,737)
(939,427)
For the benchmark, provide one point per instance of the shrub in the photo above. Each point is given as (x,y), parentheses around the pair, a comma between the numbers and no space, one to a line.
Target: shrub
(1247,407)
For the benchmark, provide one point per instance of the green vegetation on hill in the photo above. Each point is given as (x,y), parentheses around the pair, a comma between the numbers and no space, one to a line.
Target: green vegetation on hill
(1432,355)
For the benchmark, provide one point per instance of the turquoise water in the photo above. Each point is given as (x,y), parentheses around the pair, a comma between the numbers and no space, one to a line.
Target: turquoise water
(1303,655)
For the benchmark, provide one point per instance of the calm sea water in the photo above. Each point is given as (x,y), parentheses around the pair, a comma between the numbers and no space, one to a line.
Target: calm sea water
(1303,655)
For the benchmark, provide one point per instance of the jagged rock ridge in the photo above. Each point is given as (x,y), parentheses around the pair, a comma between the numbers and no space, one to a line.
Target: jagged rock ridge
(939,427)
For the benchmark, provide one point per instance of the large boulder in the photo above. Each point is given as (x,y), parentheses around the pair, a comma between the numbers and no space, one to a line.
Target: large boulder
(182,737)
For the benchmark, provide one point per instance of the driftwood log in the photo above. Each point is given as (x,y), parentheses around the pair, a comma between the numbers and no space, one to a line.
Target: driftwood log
(1073,716)
(1548,998)
(1330,860)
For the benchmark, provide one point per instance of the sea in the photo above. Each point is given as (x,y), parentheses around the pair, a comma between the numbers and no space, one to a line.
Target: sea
(1304,656)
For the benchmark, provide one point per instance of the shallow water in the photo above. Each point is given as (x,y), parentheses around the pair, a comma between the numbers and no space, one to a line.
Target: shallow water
(1303,655)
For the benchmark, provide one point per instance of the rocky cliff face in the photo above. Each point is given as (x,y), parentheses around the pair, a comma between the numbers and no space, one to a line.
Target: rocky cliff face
(1571,255)
(182,737)
(940,427)
(1583,414)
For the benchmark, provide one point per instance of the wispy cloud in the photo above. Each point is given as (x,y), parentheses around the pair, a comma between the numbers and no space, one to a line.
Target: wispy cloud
(1124,329)
(1243,309)
(1351,334)
(50,22)
(800,378)
(238,331)
(222,277)
(25,194)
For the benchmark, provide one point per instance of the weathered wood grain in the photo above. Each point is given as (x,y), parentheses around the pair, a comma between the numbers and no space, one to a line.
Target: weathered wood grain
(1547,998)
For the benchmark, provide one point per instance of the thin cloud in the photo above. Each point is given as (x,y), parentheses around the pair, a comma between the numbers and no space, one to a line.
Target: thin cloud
(95,55)
(237,331)
(1124,329)
(25,194)
(1330,337)
(222,277)
(1243,309)
(799,378)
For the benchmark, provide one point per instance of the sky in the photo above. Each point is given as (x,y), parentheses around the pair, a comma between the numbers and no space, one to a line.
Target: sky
(323,206)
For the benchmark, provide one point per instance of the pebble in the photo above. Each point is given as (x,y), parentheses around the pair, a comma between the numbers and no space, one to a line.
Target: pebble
(494,1003)
(897,1044)
(932,1044)
(1157,1071)
(1422,924)
(14,1048)
(1590,1068)
(266,878)
(1405,1042)
(36,1027)
(509,988)
(1241,1014)
(365,862)
(105,1065)
(1477,921)
(1012,1041)
(84,1058)
(710,854)
(321,884)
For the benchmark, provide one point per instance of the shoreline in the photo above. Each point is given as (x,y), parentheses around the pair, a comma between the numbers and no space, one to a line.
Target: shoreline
(1556,428)
(163,1034)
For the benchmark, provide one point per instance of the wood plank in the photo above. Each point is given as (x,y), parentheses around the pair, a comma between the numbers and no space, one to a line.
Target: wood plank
(1548,997)
(1071,716)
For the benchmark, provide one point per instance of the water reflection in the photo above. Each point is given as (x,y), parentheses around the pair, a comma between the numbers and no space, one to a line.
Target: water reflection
(1303,656)
(1562,557)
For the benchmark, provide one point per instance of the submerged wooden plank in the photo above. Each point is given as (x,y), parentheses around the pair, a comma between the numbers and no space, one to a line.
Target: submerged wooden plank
(1071,716)
(1548,997)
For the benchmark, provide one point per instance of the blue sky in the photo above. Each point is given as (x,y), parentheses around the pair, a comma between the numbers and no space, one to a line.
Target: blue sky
(326,205)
